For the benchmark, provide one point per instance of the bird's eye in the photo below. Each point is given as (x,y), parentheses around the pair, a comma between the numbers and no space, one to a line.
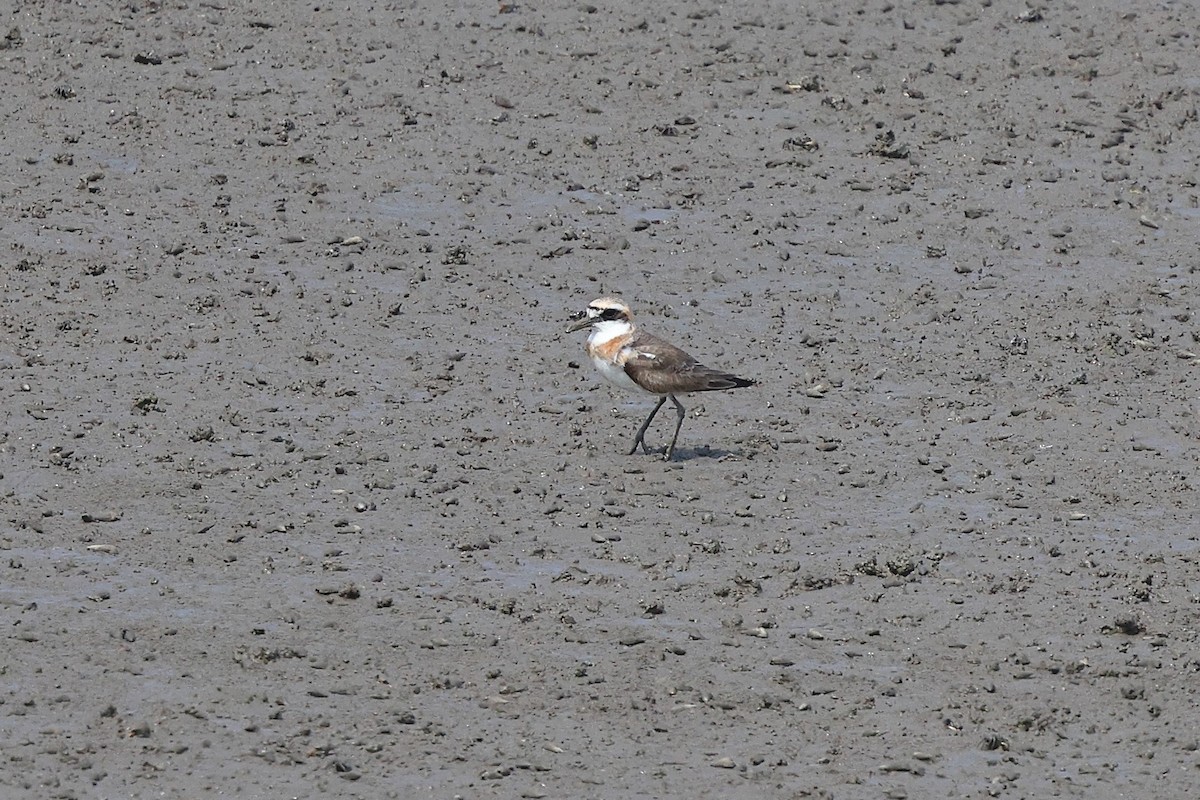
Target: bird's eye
(611,314)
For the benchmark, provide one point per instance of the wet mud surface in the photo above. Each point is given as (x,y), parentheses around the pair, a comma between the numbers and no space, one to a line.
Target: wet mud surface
(306,493)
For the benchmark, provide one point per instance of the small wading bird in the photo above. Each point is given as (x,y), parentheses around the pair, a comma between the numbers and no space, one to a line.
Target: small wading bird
(640,362)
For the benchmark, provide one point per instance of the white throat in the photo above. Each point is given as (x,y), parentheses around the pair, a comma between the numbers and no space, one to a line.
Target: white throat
(607,330)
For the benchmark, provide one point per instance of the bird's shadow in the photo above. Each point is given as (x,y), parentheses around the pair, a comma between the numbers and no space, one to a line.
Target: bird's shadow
(686,454)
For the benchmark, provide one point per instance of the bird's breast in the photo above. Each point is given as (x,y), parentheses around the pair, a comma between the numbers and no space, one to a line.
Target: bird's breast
(609,353)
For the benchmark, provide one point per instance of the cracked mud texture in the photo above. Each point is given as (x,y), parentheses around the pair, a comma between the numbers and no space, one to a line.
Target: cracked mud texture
(306,493)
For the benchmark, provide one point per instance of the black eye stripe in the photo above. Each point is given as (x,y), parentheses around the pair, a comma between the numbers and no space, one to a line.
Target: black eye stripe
(612,314)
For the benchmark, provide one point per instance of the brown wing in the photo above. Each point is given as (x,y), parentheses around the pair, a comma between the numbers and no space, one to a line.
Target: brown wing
(662,368)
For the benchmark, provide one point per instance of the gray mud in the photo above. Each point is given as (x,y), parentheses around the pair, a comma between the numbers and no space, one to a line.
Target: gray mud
(306,493)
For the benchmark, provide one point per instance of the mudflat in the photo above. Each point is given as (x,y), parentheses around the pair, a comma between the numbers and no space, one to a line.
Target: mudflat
(307,493)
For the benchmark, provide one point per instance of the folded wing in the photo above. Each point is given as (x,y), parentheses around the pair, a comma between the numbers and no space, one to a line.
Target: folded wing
(662,368)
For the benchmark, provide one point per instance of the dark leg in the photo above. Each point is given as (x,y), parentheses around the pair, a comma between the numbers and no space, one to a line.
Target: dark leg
(678,424)
(641,434)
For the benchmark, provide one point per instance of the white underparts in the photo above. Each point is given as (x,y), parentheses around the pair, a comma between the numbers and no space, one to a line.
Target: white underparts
(602,333)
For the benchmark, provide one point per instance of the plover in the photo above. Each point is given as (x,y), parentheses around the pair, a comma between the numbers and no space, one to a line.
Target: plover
(640,362)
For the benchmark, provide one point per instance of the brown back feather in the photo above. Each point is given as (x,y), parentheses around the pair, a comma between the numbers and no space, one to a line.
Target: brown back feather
(684,373)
